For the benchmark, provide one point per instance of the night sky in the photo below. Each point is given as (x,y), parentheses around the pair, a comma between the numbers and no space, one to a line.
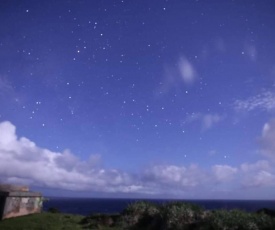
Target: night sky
(147,98)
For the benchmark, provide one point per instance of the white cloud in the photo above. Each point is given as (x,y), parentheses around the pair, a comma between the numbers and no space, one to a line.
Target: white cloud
(175,175)
(268,139)
(264,101)
(258,166)
(22,160)
(259,174)
(263,178)
(224,173)
(187,71)
(262,172)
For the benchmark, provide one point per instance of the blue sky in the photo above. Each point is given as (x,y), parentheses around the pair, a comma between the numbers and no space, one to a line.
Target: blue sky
(171,99)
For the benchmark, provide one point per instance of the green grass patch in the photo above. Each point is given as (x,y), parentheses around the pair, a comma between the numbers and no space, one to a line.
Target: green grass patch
(43,221)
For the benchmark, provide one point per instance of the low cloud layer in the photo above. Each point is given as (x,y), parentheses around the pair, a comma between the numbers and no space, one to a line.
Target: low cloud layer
(23,162)
(224,173)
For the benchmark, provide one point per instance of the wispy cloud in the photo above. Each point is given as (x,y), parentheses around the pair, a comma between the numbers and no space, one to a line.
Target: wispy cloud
(187,71)
(5,86)
(264,101)
(177,75)
(207,120)
(267,139)
(250,51)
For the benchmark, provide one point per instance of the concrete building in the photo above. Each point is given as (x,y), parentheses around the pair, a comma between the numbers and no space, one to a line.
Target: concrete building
(18,201)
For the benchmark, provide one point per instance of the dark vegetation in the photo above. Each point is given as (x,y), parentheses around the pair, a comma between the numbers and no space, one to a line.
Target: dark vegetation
(149,216)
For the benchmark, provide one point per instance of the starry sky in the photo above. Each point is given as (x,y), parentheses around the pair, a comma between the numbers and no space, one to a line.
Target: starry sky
(148,98)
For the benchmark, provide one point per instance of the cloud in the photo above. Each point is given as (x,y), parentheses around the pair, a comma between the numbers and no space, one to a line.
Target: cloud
(5,86)
(174,175)
(224,173)
(259,174)
(207,120)
(187,71)
(267,139)
(177,75)
(23,162)
(260,179)
(264,101)
(251,52)
(262,173)
(263,178)
(259,165)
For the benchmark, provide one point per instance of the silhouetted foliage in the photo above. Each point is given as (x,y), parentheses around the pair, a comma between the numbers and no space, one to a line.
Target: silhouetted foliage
(180,216)
(53,210)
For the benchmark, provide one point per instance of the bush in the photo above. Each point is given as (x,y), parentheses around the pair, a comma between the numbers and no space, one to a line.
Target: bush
(179,215)
(176,215)
(139,214)
(267,211)
(239,220)
(53,210)
(187,216)
(100,220)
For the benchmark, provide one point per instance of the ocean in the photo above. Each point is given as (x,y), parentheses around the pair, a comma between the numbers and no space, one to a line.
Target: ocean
(86,206)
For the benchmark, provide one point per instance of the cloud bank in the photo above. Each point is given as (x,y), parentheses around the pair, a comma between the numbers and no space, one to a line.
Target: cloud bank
(23,162)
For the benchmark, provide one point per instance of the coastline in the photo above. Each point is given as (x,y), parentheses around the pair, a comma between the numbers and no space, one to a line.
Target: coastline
(146,215)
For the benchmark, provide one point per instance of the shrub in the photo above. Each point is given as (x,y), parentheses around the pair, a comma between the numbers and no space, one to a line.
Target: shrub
(53,210)
(239,220)
(179,215)
(187,216)
(139,213)
(99,220)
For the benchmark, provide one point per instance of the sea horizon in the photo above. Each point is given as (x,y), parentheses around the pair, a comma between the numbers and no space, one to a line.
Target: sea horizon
(176,199)
(86,206)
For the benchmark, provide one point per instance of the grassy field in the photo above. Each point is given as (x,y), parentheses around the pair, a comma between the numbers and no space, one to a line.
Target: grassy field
(43,221)
(49,221)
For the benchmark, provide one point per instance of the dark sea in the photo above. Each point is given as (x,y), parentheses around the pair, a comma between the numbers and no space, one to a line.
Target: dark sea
(86,206)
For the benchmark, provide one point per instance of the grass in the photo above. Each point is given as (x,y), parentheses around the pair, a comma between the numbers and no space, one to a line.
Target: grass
(43,221)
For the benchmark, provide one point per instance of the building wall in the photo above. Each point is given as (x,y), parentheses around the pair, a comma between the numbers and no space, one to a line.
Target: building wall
(18,206)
